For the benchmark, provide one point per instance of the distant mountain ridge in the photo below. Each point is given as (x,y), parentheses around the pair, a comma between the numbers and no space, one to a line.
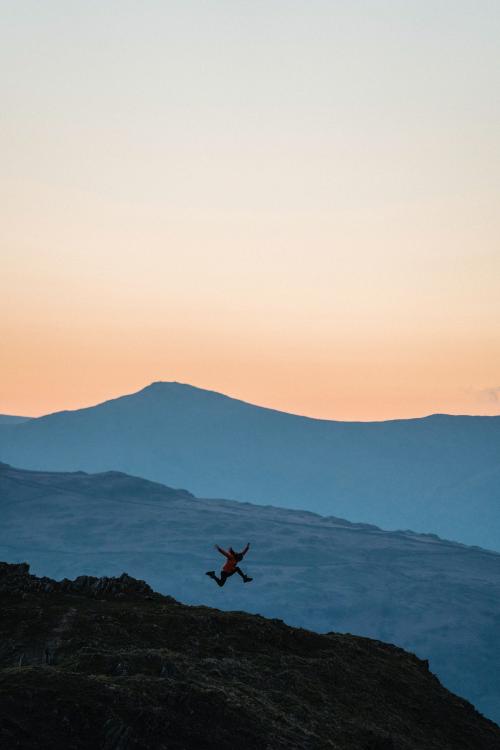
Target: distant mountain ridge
(436,598)
(11,419)
(437,474)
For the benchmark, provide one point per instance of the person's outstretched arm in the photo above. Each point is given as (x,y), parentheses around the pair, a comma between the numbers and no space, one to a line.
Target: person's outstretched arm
(222,551)
(244,551)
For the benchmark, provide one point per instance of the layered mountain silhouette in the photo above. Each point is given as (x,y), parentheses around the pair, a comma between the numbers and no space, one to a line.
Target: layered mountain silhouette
(438,599)
(108,663)
(436,474)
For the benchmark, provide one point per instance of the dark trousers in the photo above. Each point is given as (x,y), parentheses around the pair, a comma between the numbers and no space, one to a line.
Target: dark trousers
(224,575)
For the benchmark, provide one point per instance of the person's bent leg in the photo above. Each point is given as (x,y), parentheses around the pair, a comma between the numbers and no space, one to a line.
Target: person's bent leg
(211,574)
(219,581)
(246,579)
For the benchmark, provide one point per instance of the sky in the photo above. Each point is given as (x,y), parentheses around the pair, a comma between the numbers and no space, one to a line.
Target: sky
(291,202)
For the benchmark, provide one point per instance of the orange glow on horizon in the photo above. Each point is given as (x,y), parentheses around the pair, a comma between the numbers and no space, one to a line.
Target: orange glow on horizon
(300,210)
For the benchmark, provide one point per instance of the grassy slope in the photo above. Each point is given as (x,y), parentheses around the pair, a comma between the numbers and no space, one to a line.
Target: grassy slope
(130,671)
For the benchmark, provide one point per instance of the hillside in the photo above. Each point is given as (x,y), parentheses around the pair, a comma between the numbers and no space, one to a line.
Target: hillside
(438,599)
(10,419)
(430,475)
(108,663)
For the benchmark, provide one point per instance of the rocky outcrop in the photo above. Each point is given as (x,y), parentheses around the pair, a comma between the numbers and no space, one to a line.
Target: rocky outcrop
(106,663)
(16,579)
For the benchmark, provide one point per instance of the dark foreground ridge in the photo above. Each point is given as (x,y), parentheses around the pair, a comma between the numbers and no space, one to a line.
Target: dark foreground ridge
(107,663)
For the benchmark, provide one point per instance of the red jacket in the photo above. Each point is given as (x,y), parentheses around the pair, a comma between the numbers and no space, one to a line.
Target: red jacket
(233,558)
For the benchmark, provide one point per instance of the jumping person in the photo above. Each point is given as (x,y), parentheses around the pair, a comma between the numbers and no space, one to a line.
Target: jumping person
(231,566)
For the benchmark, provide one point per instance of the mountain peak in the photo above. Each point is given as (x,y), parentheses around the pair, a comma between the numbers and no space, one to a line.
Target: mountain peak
(187,393)
(164,384)
(174,386)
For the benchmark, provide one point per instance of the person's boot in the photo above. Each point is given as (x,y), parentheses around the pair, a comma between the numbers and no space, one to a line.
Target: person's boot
(247,579)
(210,573)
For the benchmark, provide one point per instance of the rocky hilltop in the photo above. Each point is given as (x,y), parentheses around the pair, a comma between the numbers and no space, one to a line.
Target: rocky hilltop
(107,663)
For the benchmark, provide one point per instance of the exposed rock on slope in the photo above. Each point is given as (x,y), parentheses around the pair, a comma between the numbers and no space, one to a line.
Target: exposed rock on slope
(16,579)
(133,669)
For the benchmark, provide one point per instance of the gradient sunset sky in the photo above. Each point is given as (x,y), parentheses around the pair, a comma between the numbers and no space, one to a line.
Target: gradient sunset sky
(294,203)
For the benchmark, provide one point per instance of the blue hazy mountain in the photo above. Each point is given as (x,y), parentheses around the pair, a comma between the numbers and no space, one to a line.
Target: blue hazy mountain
(11,419)
(435,474)
(439,599)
